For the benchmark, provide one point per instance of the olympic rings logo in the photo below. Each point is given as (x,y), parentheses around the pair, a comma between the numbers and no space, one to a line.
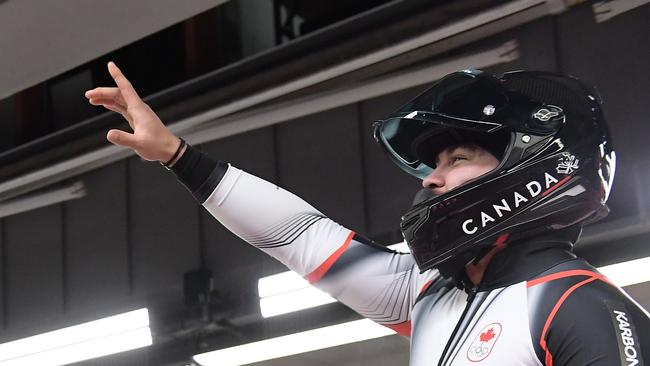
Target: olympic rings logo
(479,351)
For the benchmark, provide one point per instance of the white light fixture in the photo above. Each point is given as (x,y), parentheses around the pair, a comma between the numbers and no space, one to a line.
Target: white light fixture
(628,273)
(280,283)
(35,201)
(400,247)
(287,292)
(606,10)
(311,340)
(97,338)
(300,299)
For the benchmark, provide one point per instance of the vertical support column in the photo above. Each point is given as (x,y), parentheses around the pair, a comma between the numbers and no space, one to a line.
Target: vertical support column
(257,26)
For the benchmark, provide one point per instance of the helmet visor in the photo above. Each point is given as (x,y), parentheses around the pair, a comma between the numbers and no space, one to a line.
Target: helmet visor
(462,107)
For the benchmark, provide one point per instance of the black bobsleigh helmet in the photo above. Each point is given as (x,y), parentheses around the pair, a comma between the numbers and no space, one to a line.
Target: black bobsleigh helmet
(556,166)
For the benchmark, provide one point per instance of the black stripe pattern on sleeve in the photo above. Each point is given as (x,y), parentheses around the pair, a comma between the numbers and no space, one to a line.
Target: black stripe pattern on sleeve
(284,233)
(389,306)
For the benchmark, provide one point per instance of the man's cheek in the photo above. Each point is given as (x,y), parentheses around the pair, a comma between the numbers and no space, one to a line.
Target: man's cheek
(469,172)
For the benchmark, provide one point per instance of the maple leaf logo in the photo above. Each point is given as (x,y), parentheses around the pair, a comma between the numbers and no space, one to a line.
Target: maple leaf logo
(485,337)
(484,342)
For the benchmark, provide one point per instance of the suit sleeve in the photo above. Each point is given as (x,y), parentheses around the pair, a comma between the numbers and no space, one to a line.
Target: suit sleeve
(380,284)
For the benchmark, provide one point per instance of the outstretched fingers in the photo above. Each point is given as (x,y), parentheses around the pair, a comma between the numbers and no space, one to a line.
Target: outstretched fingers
(99,95)
(149,138)
(131,97)
(105,102)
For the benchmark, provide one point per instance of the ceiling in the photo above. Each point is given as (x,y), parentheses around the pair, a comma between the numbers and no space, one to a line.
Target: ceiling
(42,39)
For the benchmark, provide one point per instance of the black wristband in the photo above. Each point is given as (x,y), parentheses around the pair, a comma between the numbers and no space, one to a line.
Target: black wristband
(178,151)
(198,172)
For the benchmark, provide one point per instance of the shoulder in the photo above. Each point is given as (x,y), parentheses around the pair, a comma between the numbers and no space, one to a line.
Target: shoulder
(577,316)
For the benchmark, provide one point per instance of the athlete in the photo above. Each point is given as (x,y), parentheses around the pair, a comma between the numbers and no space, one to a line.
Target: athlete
(512,167)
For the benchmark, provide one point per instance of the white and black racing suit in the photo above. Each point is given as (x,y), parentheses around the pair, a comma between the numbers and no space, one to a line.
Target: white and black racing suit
(537,305)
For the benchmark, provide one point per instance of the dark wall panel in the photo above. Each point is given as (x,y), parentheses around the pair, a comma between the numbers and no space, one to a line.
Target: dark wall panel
(34,269)
(163,223)
(96,242)
(614,56)
(319,159)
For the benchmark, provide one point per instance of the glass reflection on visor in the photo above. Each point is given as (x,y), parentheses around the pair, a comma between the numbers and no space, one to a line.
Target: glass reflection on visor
(457,101)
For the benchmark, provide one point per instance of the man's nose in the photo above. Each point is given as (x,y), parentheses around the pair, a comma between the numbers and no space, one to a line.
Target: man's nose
(434,181)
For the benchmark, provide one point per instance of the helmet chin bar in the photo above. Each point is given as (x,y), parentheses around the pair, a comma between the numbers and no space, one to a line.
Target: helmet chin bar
(449,230)
(455,267)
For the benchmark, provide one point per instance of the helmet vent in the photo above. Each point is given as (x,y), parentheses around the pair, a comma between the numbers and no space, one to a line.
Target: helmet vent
(565,93)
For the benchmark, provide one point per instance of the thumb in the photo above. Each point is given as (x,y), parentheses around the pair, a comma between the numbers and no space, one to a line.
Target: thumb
(121,138)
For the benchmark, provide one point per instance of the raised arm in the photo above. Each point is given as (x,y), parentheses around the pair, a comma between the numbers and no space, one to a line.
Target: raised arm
(379,284)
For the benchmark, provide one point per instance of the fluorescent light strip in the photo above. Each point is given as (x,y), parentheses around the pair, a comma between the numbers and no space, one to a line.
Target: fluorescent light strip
(400,247)
(311,340)
(628,273)
(94,348)
(287,292)
(280,283)
(80,342)
(300,299)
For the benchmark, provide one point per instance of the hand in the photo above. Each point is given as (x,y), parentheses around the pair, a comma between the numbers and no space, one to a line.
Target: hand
(150,139)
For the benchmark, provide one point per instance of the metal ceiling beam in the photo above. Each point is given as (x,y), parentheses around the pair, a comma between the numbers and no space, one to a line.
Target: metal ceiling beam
(292,109)
(524,10)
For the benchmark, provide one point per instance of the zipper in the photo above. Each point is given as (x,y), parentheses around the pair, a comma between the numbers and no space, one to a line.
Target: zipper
(470,299)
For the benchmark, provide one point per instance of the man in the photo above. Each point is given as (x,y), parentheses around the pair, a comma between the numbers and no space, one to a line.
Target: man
(511,166)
